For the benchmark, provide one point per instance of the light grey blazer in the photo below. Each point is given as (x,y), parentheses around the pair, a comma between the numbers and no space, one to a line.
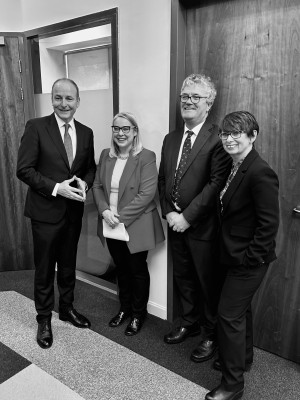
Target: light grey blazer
(136,205)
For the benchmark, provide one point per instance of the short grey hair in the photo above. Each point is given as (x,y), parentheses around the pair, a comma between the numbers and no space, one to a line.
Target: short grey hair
(202,80)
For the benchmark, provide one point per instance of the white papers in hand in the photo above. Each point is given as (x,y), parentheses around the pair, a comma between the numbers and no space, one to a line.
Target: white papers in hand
(118,232)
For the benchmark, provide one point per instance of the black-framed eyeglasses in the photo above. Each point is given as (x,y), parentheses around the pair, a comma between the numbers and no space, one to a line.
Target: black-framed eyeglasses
(124,129)
(194,98)
(233,134)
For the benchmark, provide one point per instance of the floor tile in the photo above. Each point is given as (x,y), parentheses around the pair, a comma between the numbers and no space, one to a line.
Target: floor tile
(11,363)
(32,383)
(88,363)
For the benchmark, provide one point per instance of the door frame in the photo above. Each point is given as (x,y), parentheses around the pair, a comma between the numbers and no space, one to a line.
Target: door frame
(177,75)
(73,25)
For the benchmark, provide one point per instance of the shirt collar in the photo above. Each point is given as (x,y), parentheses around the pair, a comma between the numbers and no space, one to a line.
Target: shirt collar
(61,123)
(195,130)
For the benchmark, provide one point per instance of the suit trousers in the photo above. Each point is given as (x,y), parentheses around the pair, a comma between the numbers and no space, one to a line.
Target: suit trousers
(235,333)
(196,277)
(54,244)
(133,277)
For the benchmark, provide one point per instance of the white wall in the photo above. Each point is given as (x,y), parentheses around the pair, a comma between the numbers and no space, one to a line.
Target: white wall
(144,68)
(11,16)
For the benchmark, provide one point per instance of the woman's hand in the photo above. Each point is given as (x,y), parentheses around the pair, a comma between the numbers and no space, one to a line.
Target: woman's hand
(110,218)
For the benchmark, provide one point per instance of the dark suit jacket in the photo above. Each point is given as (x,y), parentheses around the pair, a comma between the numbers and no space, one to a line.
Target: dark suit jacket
(136,205)
(43,162)
(202,179)
(250,218)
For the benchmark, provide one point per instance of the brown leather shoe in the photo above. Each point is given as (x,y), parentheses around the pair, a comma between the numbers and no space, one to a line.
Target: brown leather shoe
(220,393)
(44,335)
(76,319)
(205,350)
(180,333)
(118,319)
(217,365)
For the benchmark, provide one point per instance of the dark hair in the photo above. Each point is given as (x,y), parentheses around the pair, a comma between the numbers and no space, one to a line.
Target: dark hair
(240,121)
(66,80)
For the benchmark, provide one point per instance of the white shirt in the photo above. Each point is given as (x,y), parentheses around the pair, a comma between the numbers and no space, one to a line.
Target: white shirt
(195,130)
(115,181)
(72,133)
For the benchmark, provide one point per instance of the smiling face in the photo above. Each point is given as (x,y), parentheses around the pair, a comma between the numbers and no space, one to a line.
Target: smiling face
(194,114)
(239,148)
(65,100)
(124,141)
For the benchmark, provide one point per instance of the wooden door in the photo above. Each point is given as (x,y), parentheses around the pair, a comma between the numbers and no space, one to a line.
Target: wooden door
(251,49)
(15,235)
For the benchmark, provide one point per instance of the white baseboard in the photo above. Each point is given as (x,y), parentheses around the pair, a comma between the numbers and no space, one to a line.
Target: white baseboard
(157,310)
(152,307)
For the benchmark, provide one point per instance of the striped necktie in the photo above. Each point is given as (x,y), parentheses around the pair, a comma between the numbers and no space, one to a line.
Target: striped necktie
(68,145)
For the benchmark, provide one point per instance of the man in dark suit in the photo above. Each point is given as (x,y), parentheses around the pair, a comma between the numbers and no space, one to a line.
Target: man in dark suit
(56,161)
(192,170)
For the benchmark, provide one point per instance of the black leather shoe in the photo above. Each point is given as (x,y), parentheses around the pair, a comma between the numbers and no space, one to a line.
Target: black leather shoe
(134,326)
(118,319)
(44,335)
(181,333)
(220,393)
(217,365)
(204,351)
(75,318)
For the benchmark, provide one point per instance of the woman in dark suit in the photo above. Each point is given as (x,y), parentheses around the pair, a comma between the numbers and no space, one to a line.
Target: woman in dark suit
(249,215)
(124,191)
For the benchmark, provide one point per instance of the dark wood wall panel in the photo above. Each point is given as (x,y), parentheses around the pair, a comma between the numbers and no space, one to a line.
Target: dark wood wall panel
(251,49)
(15,235)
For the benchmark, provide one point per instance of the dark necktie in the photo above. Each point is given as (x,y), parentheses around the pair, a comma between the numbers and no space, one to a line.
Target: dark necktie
(186,149)
(68,145)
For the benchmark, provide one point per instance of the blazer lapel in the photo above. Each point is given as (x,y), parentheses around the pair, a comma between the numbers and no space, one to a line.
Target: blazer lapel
(128,171)
(202,137)
(109,167)
(55,135)
(238,178)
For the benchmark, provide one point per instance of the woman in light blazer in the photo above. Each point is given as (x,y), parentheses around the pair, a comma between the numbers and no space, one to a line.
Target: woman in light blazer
(249,219)
(124,191)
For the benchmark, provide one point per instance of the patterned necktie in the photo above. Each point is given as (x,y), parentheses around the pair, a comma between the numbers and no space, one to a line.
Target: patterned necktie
(68,145)
(234,170)
(186,149)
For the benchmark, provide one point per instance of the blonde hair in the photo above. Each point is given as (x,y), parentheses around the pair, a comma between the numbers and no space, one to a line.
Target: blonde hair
(137,146)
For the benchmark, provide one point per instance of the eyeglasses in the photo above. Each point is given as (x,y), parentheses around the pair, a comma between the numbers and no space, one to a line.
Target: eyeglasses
(194,98)
(234,135)
(124,129)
